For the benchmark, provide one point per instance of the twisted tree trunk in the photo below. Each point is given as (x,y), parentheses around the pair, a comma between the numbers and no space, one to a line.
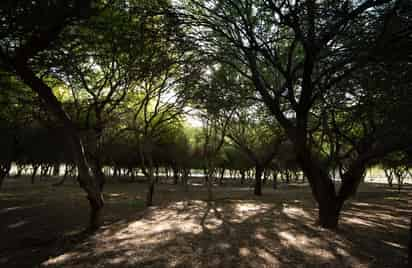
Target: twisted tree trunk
(86,180)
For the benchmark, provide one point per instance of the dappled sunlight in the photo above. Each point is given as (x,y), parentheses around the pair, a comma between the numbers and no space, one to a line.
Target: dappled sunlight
(361,204)
(359,221)
(396,245)
(250,209)
(61,259)
(310,246)
(295,212)
(187,231)
(269,231)
(213,223)
(326,248)
(383,216)
(268,257)
(400,226)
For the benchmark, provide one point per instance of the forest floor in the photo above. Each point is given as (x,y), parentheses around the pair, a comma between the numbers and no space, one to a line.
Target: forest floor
(41,226)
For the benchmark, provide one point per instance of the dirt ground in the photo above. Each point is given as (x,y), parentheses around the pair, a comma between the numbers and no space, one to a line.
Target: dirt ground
(41,226)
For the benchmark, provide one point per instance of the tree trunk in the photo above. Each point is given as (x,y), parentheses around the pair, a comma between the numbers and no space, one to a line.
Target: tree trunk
(222,174)
(44,170)
(389,176)
(186,174)
(132,176)
(175,175)
(85,178)
(265,177)
(2,176)
(19,170)
(56,170)
(287,175)
(258,180)
(275,180)
(166,170)
(98,172)
(33,174)
(157,174)
(4,172)
(323,189)
(242,177)
(410,245)
(150,192)
(209,188)
(116,172)
(329,212)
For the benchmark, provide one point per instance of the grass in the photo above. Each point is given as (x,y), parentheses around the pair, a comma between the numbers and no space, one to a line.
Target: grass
(41,227)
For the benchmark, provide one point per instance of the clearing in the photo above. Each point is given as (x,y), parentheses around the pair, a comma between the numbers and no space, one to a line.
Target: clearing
(41,226)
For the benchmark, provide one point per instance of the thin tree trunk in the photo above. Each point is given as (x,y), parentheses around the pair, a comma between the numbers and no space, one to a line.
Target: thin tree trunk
(167,173)
(56,169)
(116,172)
(132,176)
(19,170)
(258,180)
(208,180)
(98,172)
(33,174)
(150,192)
(4,172)
(175,175)
(2,177)
(157,174)
(265,177)
(222,174)
(275,180)
(209,188)
(186,179)
(389,176)
(410,244)
(43,170)
(242,177)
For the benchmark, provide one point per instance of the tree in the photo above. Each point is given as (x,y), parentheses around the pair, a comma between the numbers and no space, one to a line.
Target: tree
(257,137)
(27,33)
(298,55)
(155,107)
(100,72)
(18,108)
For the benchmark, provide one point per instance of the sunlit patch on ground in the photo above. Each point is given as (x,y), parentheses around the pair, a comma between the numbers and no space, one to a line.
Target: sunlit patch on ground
(396,245)
(276,230)
(61,259)
(358,221)
(215,235)
(295,212)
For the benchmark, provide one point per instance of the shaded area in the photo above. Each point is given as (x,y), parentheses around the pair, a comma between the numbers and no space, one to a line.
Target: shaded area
(237,230)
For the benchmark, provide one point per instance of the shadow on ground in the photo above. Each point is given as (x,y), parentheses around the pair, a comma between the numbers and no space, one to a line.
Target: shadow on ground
(277,230)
